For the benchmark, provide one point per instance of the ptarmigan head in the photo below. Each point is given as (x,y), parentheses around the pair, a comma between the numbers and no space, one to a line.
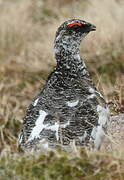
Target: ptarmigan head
(71,33)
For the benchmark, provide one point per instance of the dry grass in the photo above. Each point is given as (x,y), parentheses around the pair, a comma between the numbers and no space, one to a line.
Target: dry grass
(60,166)
(27,31)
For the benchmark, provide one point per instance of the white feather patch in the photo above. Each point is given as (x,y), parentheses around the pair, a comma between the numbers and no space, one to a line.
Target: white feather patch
(77,56)
(65,125)
(91,96)
(98,132)
(82,138)
(93,133)
(38,126)
(46,146)
(35,102)
(91,90)
(103,114)
(72,103)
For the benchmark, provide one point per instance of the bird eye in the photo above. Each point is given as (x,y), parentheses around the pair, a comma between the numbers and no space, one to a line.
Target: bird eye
(74,24)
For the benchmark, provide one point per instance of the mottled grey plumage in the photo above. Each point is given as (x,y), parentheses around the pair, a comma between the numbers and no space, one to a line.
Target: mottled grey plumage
(69,109)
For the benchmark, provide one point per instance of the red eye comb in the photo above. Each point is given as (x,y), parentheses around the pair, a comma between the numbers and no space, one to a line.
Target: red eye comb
(75,23)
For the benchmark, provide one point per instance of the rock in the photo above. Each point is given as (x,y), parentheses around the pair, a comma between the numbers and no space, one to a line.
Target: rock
(115,136)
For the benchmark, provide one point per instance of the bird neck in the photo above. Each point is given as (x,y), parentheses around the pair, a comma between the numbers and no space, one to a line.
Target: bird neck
(65,47)
(67,54)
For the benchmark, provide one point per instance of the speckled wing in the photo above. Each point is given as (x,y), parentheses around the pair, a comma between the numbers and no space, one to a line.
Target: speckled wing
(63,115)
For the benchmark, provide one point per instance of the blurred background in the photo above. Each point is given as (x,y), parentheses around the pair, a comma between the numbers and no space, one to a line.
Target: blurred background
(27,31)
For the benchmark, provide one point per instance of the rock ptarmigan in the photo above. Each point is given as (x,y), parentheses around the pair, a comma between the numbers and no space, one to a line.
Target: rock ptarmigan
(69,110)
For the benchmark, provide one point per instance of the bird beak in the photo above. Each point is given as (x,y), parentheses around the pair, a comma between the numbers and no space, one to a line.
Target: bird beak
(92,28)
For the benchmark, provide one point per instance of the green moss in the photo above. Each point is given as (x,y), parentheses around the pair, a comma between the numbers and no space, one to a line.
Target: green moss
(60,166)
